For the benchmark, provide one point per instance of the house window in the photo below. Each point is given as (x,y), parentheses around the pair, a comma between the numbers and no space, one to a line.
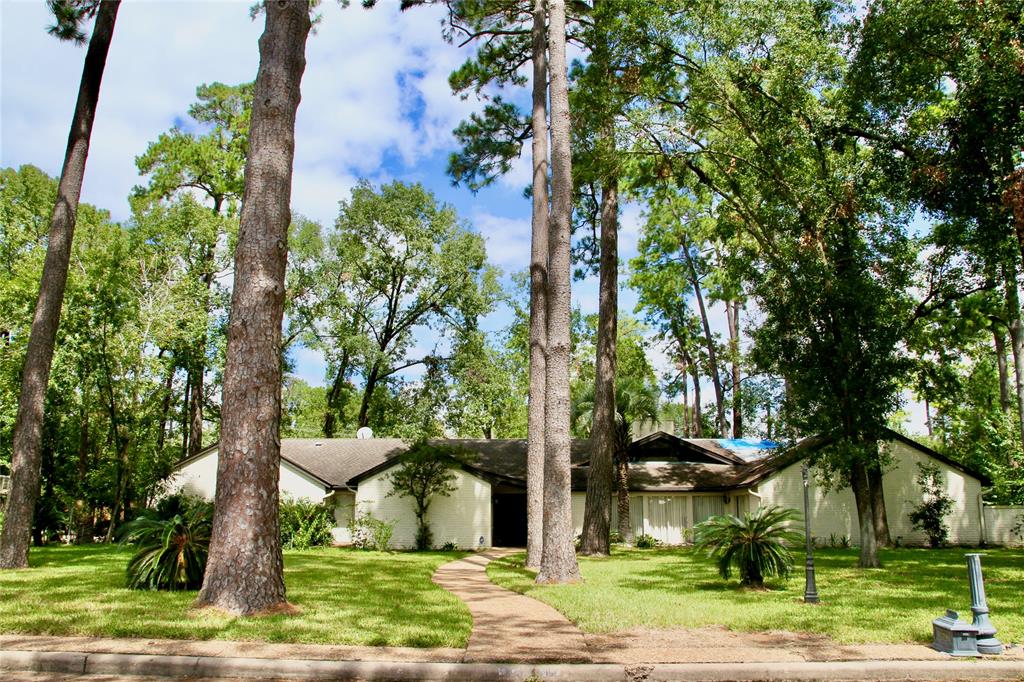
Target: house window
(706,506)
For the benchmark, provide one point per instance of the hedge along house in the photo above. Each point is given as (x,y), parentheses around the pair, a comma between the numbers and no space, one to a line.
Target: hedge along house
(674,484)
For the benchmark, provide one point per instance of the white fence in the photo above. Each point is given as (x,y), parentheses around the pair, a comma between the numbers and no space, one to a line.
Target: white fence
(999,525)
(5,485)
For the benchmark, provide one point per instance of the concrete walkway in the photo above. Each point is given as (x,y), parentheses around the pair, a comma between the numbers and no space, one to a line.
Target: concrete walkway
(507,626)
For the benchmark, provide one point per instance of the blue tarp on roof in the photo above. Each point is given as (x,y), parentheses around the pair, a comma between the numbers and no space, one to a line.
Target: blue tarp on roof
(747,448)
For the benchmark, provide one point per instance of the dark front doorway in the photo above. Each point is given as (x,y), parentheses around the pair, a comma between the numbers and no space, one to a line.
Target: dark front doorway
(508,516)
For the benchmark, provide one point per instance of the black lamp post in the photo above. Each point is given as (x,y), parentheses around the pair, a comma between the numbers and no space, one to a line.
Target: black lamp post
(810,589)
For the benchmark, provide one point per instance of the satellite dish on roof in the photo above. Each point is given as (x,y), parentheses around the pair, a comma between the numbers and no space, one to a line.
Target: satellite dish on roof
(365,433)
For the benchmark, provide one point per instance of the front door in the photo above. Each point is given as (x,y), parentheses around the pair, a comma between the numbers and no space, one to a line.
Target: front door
(508,516)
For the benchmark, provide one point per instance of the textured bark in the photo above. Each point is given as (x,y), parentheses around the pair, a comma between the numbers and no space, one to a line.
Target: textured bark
(709,341)
(698,421)
(165,408)
(244,574)
(879,518)
(1016,345)
(596,512)
(538,295)
(334,397)
(865,518)
(371,386)
(28,427)
(195,408)
(732,314)
(999,336)
(558,558)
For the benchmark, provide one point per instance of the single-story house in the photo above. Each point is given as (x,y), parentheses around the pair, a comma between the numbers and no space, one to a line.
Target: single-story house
(675,483)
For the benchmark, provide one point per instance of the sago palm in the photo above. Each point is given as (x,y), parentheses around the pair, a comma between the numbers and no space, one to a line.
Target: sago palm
(757,545)
(170,553)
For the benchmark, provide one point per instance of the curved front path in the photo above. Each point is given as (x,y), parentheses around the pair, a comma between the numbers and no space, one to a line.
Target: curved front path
(508,626)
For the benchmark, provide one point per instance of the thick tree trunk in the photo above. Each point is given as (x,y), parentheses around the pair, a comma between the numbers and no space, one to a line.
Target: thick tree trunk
(538,295)
(558,558)
(596,512)
(709,340)
(195,408)
(879,518)
(28,427)
(865,518)
(333,397)
(371,386)
(698,420)
(245,572)
(1016,345)
(165,408)
(999,336)
(732,314)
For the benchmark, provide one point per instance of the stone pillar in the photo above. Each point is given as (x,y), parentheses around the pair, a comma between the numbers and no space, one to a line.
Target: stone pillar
(987,642)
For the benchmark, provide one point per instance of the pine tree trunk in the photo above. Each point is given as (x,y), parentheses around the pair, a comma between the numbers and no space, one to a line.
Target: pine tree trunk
(698,420)
(596,512)
(879,518)
(558,558)
(195,408)
(709,341)
(622,487)
(865,517)
(165,409)
(732,314)
(999,337)
(1016,345)
(245,572)
(538,296)
(28,427)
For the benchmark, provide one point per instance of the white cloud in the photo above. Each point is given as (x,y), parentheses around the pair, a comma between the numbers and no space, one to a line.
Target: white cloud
(508,240)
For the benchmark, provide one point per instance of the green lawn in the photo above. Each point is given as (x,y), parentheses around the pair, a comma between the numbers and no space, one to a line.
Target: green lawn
(670,588)
(346,597)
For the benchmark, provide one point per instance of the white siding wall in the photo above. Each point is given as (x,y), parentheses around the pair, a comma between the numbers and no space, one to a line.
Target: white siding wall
(199,477)
(835,513)
(462,518)
(999,522)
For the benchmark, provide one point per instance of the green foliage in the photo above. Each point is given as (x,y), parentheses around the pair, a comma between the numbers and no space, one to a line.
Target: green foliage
(170,554)
(305,524)
(424,471)
(930,515)
(646,542)
(371,533)
(757,545)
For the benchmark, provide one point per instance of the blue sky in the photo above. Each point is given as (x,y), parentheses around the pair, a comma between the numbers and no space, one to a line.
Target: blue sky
(375,104)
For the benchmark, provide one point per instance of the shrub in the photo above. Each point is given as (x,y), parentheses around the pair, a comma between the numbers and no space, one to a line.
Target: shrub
(615,537)
(756,545)
(646,542)
(170,553)
(1017,530)
(369,532)
(930,515)
(305,524)
(426,471)
(449,547)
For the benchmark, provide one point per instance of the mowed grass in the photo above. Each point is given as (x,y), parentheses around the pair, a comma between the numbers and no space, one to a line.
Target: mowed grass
(345,597)
(673,588)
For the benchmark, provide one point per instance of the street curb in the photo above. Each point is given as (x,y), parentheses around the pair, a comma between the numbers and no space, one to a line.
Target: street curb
(262,668)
